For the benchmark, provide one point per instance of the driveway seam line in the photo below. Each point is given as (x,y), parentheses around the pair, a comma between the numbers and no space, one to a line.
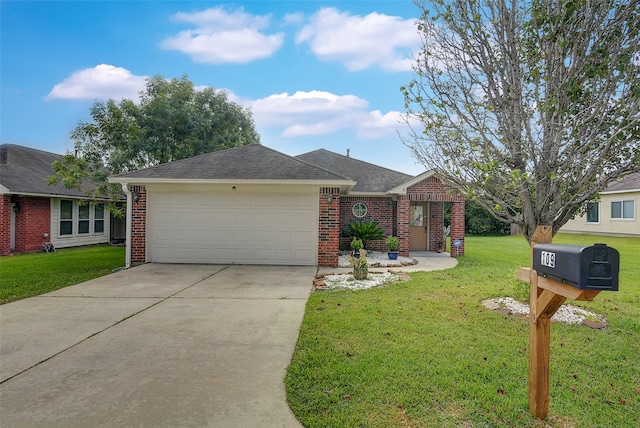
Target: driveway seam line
(108,327)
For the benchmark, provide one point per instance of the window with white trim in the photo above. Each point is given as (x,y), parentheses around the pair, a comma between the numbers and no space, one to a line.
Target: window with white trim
(593,212)
(83,219)
(623,210)
(359,209)
(66,217)
(98,218)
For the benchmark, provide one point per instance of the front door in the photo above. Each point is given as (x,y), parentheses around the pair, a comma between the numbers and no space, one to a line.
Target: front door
(418,226)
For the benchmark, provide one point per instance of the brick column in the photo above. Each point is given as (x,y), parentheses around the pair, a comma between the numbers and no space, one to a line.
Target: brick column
(329,226)
(457,228)
(436,226)
(402,225)
(5,225)
(139,226)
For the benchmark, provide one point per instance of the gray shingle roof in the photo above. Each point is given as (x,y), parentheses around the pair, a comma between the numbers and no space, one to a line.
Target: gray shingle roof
(629,183)
(371,178)
(24,170)
(250,162)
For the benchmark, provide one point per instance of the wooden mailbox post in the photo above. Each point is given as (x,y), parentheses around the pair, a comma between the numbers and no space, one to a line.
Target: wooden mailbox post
(546,297)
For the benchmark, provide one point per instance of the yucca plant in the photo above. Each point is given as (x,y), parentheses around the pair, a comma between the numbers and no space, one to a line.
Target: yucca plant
(363,230)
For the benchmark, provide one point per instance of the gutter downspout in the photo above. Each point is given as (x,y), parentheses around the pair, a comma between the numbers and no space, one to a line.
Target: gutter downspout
(127,257)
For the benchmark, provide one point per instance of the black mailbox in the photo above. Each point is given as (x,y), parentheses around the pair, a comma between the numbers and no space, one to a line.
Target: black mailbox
(586,268)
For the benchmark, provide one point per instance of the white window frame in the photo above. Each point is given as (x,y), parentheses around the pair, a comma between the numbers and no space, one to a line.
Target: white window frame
(60,219)
(97,219)
(87,220)
(357,214)
(622,216)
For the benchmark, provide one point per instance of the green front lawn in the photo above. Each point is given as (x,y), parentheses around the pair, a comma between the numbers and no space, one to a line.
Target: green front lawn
(31,274)
(426,353)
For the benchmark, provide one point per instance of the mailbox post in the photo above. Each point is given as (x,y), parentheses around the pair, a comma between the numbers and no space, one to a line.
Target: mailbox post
(559,272)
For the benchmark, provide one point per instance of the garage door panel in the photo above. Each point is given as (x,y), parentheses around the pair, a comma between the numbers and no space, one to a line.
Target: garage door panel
(221,228)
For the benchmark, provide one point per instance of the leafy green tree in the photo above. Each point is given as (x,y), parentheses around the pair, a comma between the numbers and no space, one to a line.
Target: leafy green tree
(173,120)
(479,221)
(529,108)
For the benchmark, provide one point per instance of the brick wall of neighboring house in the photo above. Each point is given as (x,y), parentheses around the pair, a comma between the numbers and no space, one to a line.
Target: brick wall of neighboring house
(32,222)
(328,226)
(380,209)
(139,225)
(5,224)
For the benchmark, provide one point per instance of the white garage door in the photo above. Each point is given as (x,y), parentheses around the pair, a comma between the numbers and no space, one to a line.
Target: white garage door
(280,229)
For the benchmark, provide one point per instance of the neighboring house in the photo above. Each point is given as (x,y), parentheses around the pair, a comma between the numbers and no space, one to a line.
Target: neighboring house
(254,205)
(616,213)
(33,213)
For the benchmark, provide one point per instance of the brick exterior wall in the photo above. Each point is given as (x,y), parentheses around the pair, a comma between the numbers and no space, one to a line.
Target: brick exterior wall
(402,224)
(329,226)
(436,193)
(457,228)
(5,225)
(139,226)
(32,222)
(379,209)
(436,227)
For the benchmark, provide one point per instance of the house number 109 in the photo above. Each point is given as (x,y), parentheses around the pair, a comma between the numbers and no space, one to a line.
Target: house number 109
(548,259)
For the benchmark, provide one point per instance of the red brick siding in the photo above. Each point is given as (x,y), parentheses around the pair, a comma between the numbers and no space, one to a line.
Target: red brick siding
(436,226)
(328,226)
(139,226)
(457,227)
(379,209)
(433,190)
(5,225)
(402,225)
(32,222)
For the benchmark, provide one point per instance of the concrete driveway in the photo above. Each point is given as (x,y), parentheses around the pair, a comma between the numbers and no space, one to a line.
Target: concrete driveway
(155,345)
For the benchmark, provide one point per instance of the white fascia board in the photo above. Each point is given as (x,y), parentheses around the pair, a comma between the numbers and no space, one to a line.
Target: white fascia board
(323,183)
(47,195)
(402,189)
(615,192)
(369,194)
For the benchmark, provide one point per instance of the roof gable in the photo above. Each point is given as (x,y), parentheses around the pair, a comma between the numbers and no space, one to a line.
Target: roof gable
(250,162)
(24,170)
(370,178)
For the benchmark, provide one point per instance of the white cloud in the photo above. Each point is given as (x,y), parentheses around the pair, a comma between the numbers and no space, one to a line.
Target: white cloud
(361,41)
(224,37)
(322,113)
(293,19)
(101,82)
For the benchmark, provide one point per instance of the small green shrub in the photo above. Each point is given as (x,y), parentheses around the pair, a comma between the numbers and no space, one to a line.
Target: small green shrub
(392,243)
(356,245)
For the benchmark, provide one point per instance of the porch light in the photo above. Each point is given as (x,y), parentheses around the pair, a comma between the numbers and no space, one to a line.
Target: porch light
(136,195)
(428,196)
(16,207)
(329,198)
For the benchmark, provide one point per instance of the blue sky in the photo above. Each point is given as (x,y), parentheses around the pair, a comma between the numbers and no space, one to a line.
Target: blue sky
(315,74)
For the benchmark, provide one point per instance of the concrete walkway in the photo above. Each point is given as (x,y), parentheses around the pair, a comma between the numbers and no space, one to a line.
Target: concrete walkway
(427,261)
(155,346)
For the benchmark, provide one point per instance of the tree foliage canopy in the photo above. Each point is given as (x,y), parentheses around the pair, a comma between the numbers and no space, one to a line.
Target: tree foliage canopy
(530,108)
(173,120)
